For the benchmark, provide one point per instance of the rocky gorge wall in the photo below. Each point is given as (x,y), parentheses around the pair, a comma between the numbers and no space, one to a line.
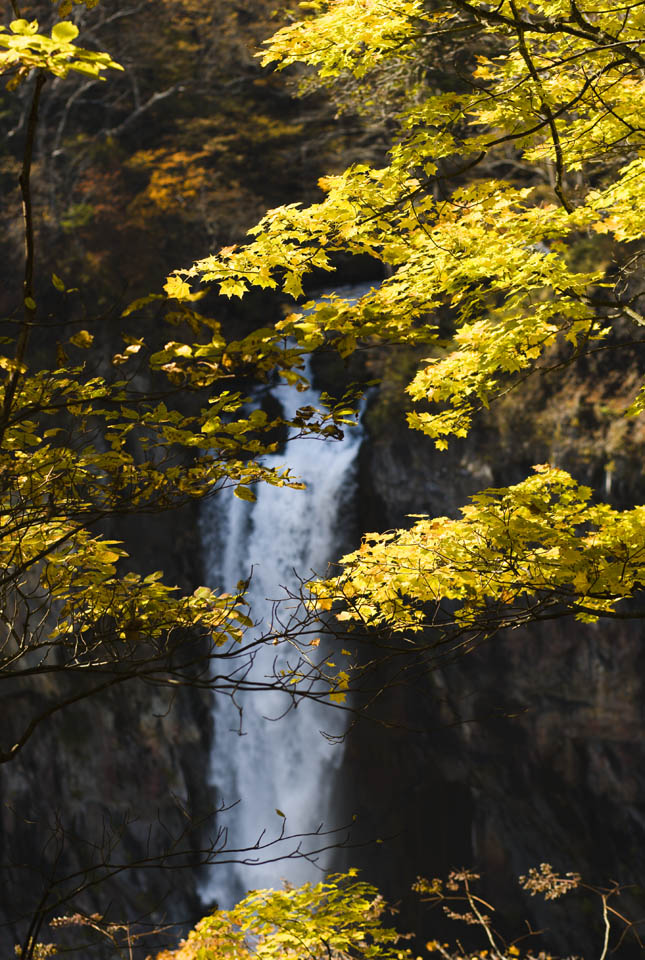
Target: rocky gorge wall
(97,808)
(529,750)
(532,748)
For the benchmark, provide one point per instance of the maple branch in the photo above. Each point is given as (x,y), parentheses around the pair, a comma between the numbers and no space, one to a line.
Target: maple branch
(552,26)
(136,114)
(555,136)
(29,306)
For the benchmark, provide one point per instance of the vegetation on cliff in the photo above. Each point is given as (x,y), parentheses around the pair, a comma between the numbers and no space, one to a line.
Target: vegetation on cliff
(342,918)
(488,188)
(498,170)
(100,427)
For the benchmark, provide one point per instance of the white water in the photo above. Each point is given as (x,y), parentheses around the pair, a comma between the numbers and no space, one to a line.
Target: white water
(283,764)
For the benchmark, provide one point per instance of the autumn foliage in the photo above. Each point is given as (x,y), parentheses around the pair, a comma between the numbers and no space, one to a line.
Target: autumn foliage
(496,170)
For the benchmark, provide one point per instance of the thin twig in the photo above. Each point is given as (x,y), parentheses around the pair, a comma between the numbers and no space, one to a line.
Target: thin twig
(546,108)
(29,309)
(605,917)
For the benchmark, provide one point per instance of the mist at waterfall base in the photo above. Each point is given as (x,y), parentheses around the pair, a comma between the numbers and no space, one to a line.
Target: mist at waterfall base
(277,764)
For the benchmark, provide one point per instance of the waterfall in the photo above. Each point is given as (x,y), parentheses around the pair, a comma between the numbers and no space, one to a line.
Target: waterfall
(285,764)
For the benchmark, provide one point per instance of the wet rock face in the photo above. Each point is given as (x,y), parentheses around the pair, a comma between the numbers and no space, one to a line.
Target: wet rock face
(107,783)
(531,749)
(115,780)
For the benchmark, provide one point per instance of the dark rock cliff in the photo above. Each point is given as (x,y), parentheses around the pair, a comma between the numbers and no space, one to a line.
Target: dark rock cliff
(529,750)
(532,748)
(97,808)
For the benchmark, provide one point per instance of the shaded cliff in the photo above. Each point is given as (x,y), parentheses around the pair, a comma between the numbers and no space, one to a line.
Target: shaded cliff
(528,750)
(132,178)
(97,809)
(531,748)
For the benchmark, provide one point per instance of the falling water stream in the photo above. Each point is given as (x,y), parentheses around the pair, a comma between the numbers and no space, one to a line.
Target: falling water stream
(282,764)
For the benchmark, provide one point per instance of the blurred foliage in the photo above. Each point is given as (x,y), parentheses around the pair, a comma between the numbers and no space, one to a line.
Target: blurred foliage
(183,151)
(342,918)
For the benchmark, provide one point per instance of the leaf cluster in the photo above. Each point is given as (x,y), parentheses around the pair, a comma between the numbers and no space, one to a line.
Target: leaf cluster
(551,100)
(26,49)
(335,919)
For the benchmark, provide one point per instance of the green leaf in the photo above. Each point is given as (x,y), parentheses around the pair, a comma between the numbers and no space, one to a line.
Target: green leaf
(243,493)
